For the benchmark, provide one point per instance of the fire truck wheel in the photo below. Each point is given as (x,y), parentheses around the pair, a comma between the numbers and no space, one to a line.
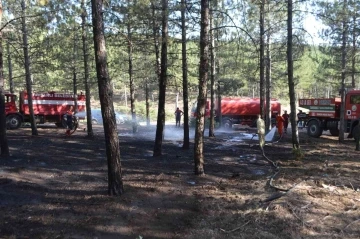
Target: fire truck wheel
(314,129)
(13,121)
(334,132)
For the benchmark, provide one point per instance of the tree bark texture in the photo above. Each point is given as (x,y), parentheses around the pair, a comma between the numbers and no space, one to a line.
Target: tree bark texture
(162,82)
(27,69)
(11,81)
(115,183)
(290,71)
(131,79)
(74,69)
(262,53)
(147,104)
(213,73)
(201,100)
(343,76)
(156,42)
(4,146)
(90,132)
(268,72)
(186,143)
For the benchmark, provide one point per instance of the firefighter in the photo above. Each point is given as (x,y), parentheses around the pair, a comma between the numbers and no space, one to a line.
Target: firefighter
(69,120)
(279,124)
(301,119)
(178,113)
(286,117)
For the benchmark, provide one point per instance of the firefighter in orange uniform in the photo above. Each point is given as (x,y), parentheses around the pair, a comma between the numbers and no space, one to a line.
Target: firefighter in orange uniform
(69,120)
(280,124)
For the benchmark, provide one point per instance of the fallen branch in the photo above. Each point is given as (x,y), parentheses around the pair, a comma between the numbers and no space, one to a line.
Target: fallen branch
(351,223)
(310,194)
(352,187)
(233,230)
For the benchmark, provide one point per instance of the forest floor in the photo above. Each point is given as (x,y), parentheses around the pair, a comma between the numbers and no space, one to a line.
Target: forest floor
(55,187)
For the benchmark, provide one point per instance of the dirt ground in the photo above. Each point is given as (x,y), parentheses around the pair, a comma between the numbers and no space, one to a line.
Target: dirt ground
(55,187)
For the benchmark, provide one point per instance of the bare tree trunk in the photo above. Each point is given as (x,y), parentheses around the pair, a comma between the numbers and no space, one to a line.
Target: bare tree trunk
(156,48)
(213,73)
(186,143)
(156,42)
(11,81)
(27,70)
(162,83)
(90,132)
(155,28)
(201,100)
(74,70)
(75,91)
(5,152)
(115,183)
(354,54)
(262,65)
(147,104)
(290,71)
(131,79)
(268,72)
(343,76)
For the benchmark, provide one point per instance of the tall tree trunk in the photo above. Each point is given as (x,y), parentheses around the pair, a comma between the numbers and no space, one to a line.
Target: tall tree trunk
(186,143)
(213,72)
(115,183)
(268,72)
(155,29)
(262,51)
(27,70)
(90,132)
(156,42)
(162,83)
(354,54)
(11,81)
(290,71)
(74,70)
(3,138)
(131,79)
(343,76)
(201,100)
(75,91)
(147,104)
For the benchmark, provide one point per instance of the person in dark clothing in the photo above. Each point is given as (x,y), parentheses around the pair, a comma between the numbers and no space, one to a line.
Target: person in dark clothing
(301,118)
(178,114)
(69,120)
(286,117)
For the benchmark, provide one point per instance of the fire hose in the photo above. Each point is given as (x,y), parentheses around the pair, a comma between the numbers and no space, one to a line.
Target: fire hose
(74,124)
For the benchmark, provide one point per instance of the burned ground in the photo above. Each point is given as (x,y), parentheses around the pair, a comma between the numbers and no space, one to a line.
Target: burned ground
(55,187)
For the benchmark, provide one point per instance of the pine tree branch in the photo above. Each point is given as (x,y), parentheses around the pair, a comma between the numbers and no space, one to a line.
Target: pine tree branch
(17,18)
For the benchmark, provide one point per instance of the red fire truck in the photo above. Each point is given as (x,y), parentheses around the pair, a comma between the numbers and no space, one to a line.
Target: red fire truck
(49,107)
(324,114)
(239,110)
